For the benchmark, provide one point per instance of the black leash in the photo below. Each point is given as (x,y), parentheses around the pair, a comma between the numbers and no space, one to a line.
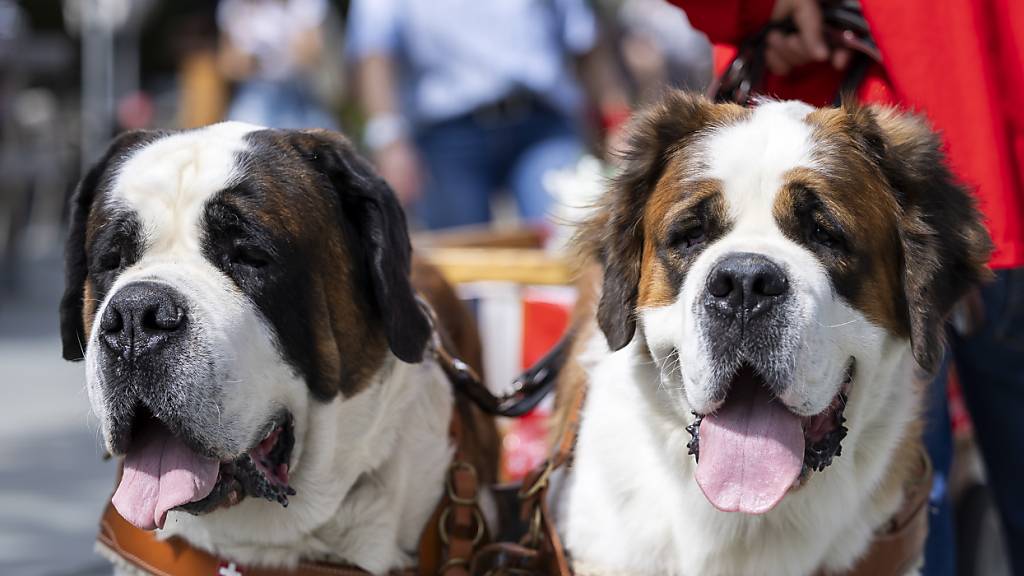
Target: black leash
(845,27)
(529,388)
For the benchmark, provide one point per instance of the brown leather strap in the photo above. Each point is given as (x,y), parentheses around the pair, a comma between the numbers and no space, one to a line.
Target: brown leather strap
(174,556)
(543,535)
(457,527)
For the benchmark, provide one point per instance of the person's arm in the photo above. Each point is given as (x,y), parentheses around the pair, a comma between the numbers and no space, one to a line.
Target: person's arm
(730,21)
(387,131)
(605,88)
(600,77)
(372,37)
(308,43)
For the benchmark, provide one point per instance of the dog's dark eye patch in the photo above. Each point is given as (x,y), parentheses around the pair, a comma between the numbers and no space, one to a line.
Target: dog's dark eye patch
(116,245)
(817,227)
(238,244)
(267,265)
(696,226)
(806,216)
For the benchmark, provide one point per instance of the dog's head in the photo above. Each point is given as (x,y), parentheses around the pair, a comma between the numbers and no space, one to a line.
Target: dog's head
(221,284)
(777,262)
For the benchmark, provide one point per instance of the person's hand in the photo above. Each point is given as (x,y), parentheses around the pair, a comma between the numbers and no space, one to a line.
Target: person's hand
(399,164)
(784,52)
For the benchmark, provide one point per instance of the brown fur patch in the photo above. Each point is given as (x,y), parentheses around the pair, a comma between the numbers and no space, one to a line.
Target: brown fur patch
(89,305)
(676,204)
(851,196)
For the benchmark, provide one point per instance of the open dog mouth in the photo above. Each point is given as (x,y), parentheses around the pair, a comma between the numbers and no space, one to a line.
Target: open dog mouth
(163,473)
(753,449)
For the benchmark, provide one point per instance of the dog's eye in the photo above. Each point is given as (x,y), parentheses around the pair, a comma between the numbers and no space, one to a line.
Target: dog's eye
(823,236)
(689,237)
(250,256)
(110,261)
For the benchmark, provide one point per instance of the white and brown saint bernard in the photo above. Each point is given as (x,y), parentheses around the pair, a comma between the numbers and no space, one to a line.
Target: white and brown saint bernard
(770,278)
(242,300)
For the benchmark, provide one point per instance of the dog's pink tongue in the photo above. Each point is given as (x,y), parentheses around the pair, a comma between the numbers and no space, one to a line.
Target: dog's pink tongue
(751,452)
(160,473)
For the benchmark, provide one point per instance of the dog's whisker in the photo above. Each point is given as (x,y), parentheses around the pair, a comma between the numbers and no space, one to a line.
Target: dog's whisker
(840,325)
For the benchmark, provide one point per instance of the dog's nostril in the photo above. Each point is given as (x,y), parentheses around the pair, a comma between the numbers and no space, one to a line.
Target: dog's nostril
(112,321)
(770,283)
(721,284)
(163,317)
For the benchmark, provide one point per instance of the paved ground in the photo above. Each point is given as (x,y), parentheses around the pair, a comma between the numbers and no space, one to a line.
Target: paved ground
(53,482)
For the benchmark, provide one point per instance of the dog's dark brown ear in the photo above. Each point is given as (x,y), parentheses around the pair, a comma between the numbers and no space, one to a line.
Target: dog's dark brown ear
(72,323)
(943,237)
(614,236)
(383,237)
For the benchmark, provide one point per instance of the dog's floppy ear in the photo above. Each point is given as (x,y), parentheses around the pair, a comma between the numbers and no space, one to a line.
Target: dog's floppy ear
(72,324)
(373,210)
(614,235)
(942,234)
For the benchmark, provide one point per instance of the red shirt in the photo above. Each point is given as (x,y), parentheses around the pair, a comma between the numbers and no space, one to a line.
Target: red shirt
(960,62)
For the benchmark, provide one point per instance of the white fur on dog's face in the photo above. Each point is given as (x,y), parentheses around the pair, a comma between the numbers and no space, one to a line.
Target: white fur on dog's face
(821,331)
(233,362)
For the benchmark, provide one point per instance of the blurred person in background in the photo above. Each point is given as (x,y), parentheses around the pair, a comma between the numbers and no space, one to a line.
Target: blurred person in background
(272,48)
(660,49)
(961,64)
(466,97)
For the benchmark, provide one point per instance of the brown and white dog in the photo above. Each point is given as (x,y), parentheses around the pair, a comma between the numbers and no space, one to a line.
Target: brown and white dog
(242,300)
(770,278)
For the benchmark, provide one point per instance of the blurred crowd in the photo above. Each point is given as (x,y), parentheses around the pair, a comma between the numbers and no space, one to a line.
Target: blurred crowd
(463,105)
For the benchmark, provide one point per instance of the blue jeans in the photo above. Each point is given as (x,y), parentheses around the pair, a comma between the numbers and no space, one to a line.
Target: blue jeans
(990,364)
(468,159)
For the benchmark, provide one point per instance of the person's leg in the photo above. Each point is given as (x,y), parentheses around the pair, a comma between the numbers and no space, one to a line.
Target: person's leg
(458,177)
(550,142)
(990,363)
(939,553)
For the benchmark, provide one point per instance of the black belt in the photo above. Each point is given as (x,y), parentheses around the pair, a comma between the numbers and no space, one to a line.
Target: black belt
(514,106)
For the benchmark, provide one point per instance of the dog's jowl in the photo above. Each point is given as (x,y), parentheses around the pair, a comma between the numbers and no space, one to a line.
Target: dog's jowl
(242,300)
(771,278)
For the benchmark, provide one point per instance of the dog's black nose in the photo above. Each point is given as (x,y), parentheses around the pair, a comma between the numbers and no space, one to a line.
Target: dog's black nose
(141,318)
(746,285)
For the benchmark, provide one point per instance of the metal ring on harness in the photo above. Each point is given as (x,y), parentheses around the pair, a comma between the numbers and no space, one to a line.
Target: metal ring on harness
(478,519)
(450,486)
(452,563)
